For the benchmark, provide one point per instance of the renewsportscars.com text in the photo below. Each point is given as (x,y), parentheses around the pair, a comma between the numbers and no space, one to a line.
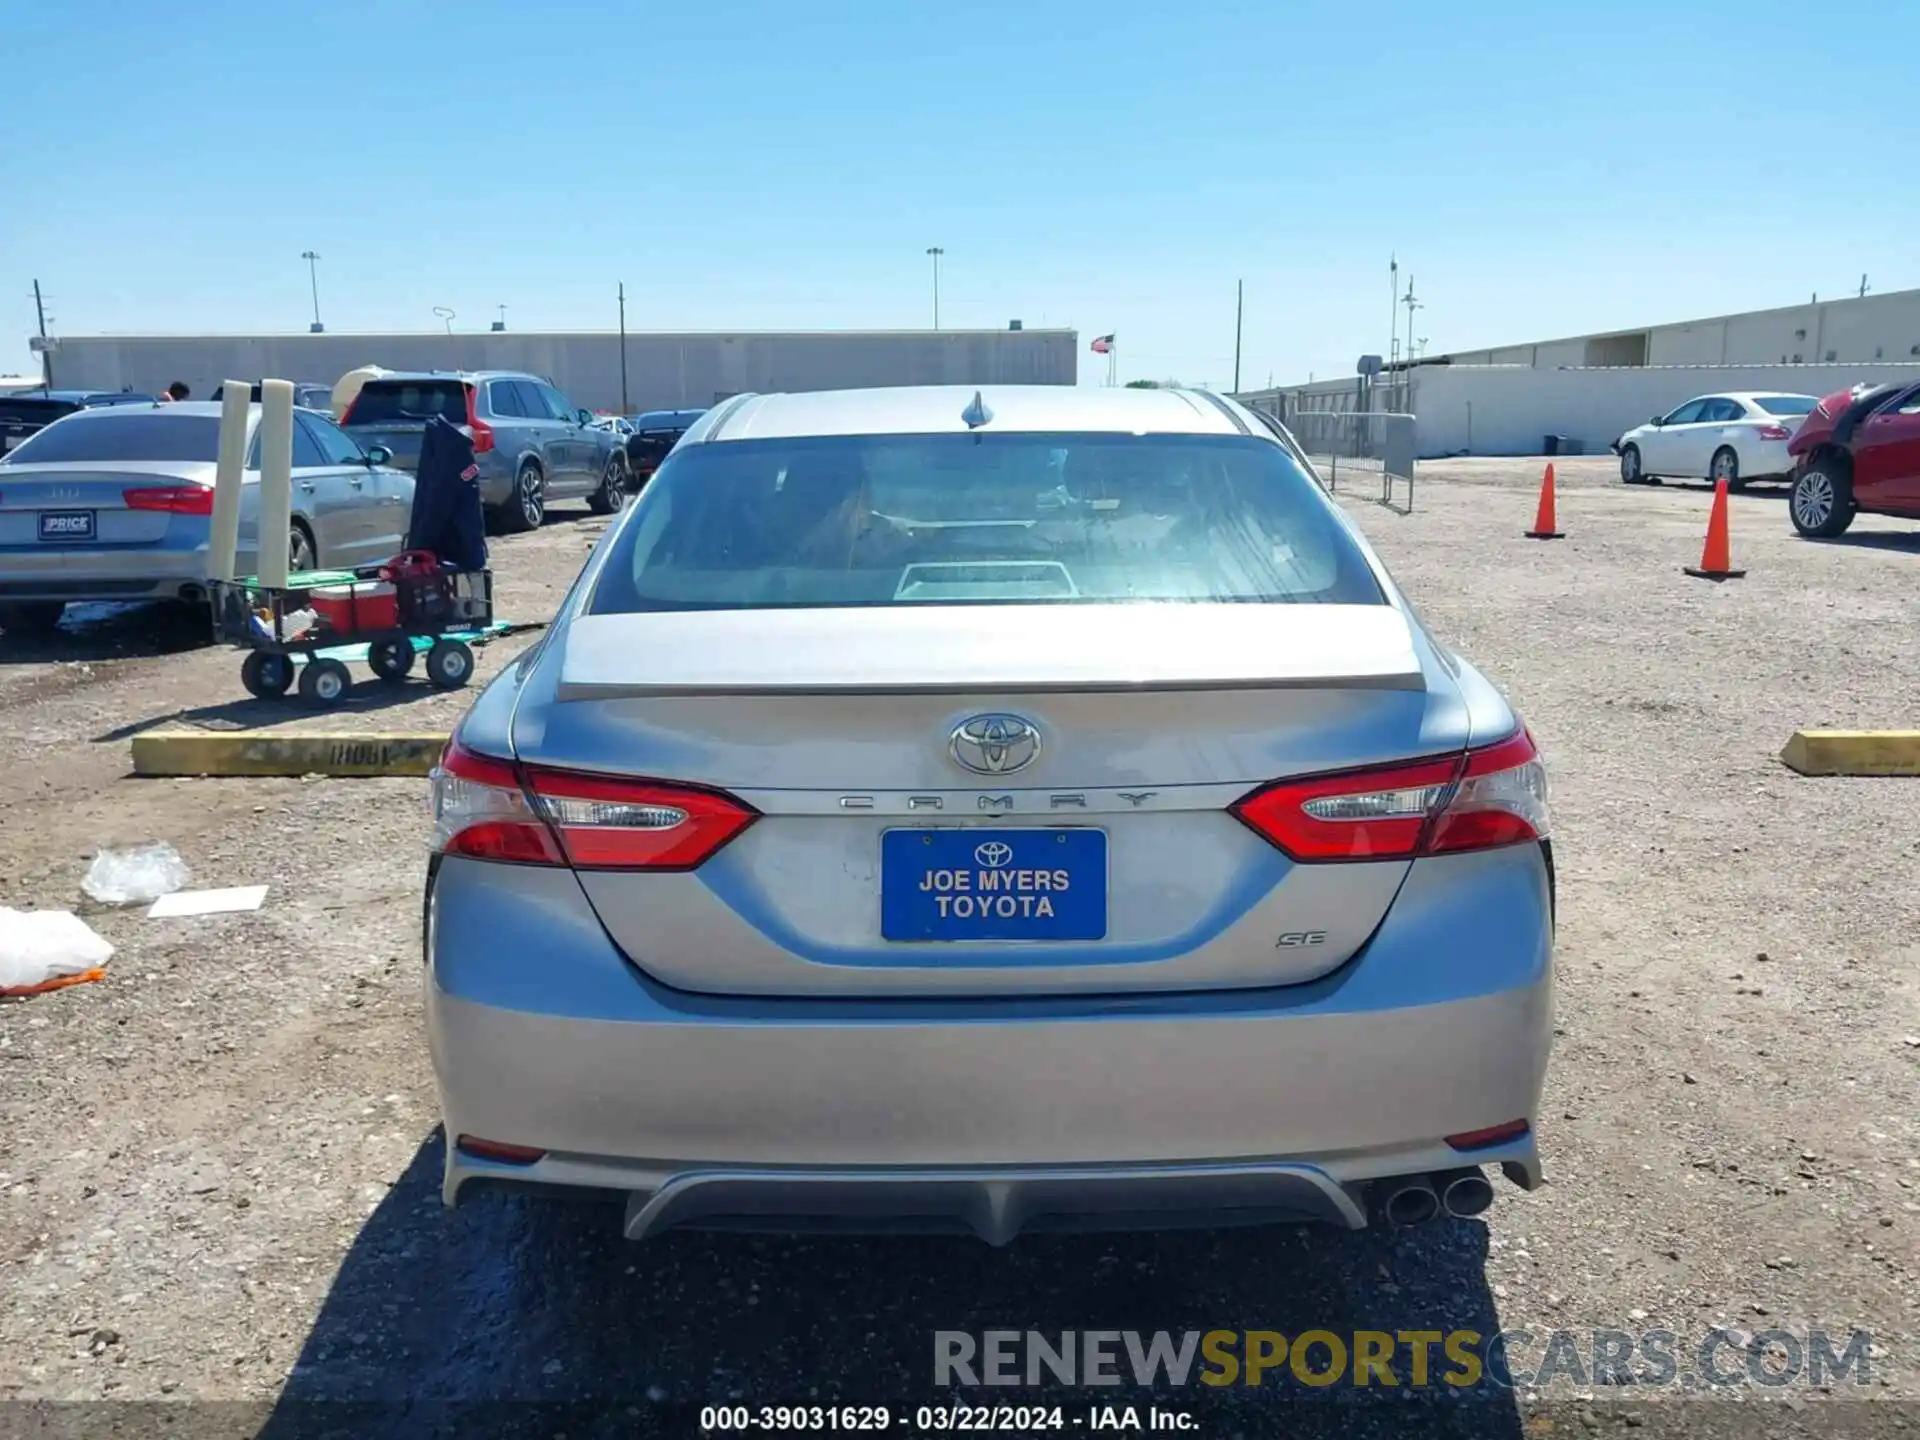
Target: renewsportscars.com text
(1507,1359)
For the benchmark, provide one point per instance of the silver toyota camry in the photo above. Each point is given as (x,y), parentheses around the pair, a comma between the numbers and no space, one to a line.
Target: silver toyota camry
(995,811)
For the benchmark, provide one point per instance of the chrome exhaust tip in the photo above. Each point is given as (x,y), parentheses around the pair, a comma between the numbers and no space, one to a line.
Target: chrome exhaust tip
(1413,1202)
(1464,1193)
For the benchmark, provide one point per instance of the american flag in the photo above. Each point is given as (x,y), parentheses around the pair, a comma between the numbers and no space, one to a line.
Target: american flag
(1102,344)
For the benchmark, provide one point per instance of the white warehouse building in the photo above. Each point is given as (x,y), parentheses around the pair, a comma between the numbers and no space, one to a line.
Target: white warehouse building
(655,371)
(1586,389)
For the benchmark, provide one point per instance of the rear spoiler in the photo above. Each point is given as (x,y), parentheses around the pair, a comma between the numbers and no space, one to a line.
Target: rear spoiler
(983,650)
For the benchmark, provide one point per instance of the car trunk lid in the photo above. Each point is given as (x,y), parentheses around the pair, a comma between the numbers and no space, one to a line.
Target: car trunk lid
(865,741)
(85,505)
(394,414)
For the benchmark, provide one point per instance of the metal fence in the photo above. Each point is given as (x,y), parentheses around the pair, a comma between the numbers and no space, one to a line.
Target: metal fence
(1368,448)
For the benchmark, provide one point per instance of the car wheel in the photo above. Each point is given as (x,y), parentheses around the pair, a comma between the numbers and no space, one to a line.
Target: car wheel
(324,682)
(302,555)
(31,617)
(267,676)
(526,507)
(612,493)
(1630,466)
(1821,501)
(1725,465)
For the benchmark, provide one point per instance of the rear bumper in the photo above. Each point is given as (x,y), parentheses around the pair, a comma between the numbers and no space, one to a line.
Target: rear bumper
(75,573)
(989,1115)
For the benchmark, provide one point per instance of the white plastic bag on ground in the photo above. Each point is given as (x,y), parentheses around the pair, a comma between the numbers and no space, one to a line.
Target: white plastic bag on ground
(136,876)
(40,947)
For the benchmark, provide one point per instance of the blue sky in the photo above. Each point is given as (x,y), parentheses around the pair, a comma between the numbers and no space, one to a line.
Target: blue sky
(1540,169)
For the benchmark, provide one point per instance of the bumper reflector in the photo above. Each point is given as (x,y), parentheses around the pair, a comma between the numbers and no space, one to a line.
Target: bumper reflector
(1492,1135)
(498,1151)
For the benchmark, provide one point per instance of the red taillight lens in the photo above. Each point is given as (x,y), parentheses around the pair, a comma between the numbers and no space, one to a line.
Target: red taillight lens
(608,823)
(480,810)
(1774,432)
(1484,798)
(492,810)
(481,432)
(175,499)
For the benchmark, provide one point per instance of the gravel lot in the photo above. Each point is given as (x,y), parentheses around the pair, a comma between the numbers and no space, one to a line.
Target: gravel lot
(218,1169)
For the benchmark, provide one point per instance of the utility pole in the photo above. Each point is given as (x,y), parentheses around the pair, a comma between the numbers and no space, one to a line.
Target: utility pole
(1863,287)
(623,347)
(1239,312)
(312,257)
(1393,311)
(46,355)
(936,252)
(1412,305)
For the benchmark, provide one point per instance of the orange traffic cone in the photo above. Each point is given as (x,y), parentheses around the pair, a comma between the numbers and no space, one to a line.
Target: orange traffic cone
(1716,558)
(1543,523)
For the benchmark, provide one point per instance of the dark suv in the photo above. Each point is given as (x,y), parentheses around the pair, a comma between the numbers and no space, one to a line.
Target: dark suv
(654,434)
(531,443)
(26,412)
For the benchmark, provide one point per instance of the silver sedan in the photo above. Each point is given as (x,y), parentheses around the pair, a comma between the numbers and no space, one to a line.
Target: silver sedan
(117,504)
(992,811)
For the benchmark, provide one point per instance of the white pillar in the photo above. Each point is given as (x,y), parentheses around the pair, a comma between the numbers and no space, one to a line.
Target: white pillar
(276,479)
(227,478)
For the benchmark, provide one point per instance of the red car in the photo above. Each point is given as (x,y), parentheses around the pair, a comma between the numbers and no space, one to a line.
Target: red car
(1858,450)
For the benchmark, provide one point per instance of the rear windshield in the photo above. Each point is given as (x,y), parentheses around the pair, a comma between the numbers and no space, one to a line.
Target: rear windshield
(385,400)
(1785,404)
(666,420)
(113,434)
(994,519)
(36,412)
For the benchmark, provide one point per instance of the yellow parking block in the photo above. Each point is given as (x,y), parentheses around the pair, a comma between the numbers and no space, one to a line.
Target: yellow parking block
(1853,752)
(271,752)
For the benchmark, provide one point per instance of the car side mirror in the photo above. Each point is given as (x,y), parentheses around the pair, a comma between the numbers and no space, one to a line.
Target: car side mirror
(1658,420)
(378,455)
(585,417)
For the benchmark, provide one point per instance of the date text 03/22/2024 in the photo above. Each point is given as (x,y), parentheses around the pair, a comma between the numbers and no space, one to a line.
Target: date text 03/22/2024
(944,1419)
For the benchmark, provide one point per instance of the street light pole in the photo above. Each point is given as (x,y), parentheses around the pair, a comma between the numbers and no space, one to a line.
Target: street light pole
(936,252)
(623,347)
(312,257)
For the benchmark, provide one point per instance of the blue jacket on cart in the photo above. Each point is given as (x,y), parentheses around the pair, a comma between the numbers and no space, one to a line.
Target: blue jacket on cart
(447,517)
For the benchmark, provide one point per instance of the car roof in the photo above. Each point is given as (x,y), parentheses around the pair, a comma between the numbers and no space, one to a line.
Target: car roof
(410,377)
(180,408)
(40,392)
(940,409)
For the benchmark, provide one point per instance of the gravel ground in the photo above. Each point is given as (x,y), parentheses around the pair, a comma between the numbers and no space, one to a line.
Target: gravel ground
(218,1169)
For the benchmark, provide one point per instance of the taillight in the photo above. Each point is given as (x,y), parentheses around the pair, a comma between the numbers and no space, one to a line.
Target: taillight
(1774,432)
(492,810)
(480,810)
(175,499)
(1493,796)
(609,823)
(481,431)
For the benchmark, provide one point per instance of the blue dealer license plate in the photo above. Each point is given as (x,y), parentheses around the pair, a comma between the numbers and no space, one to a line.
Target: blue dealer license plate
(960,885)
(66,524)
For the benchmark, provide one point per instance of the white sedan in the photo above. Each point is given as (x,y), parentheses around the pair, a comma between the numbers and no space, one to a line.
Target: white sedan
(1736,438)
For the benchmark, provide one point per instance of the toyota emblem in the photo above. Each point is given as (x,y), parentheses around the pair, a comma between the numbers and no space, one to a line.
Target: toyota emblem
(993,854)
(994,744)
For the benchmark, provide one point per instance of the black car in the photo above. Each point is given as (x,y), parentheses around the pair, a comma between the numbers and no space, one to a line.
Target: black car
(654,434)
(306,395)
(26,412)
